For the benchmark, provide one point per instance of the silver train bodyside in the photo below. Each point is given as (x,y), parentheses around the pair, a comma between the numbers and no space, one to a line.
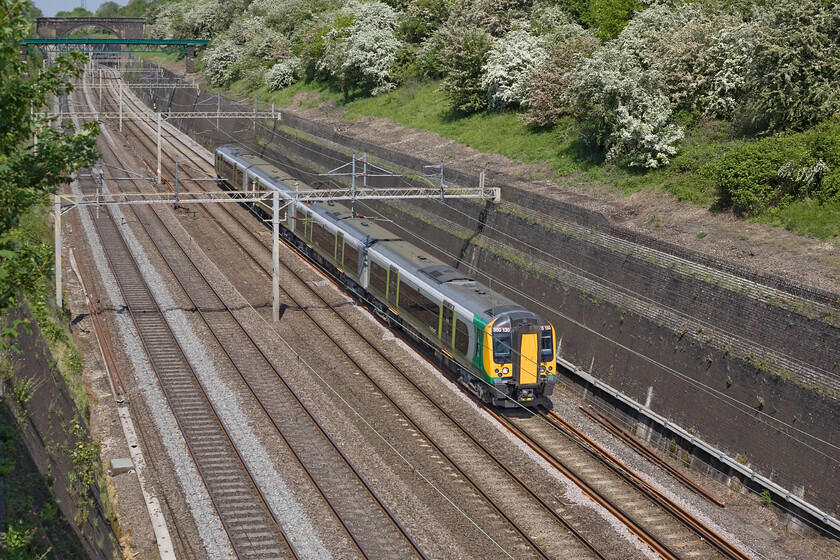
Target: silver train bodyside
(500,350)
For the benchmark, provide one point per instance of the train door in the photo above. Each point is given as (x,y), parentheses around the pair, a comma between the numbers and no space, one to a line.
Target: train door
(393,285)
(339,250)
(526,346)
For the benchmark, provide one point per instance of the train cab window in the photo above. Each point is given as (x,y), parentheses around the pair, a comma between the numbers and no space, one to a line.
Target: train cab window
(351,259)
(323,239)
(462,337)
(420,307)
(378,278)
(546,345)
(501,347)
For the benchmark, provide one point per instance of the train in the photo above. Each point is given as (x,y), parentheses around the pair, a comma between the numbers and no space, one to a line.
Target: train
(501,351)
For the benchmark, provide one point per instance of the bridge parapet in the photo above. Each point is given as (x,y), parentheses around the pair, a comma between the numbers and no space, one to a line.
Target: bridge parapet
(57,28)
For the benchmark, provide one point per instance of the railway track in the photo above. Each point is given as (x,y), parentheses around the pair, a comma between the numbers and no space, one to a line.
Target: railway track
(536,550)
(668,528)
(251,525)
(671,542)
(369,525)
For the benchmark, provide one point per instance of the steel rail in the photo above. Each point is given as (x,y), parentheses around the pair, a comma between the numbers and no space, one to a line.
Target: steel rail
(366,485)
(489,500)
(258,351)
(119,247)
(677,511)
(648,454)
(523,484)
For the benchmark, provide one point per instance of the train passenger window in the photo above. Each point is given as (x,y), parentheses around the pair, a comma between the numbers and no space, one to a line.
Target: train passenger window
(420,307)
(323,239)
(378,278)
(462,337)
(351,259)
(501,347)
(546,346)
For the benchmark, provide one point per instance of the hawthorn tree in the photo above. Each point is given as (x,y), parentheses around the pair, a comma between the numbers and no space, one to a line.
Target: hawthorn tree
(30,172)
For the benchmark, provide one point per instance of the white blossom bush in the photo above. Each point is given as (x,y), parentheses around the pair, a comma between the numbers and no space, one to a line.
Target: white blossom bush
(283,74)
(361,54)
(731,56)
(220,62)
(288,15)
(510,64)
(492,16)
(554,24)
(794,76)
(623,108)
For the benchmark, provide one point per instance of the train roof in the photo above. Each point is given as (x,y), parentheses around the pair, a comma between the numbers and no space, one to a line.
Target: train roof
(257,165)
(365,230)
(454,284)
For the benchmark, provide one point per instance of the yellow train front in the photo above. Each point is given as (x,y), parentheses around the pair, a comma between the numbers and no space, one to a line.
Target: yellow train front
(518,358)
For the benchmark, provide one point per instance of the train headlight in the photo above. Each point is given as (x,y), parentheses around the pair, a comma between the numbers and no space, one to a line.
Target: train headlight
(542,369)
(505,371)
(550,368)
(497,370)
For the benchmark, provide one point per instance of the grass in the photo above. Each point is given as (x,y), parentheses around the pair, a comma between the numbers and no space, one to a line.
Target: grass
(806,217)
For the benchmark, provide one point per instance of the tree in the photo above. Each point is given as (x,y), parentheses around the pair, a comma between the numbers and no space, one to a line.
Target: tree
(108,10)
(30,172)
(610,16)
(359,51)
(135,8)
(510,63)
(463,58)
(623,108)
(75,12)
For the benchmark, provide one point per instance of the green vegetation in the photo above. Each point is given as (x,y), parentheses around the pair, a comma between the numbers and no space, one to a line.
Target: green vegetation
(29,172)
(723,104)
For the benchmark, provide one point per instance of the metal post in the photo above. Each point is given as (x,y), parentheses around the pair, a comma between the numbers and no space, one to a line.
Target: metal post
(99,180)
(353,189)
(57,210)
(275,258)
(100,89)
(255,112)
(177,159)
(218,108)
(158,149)
(121,105)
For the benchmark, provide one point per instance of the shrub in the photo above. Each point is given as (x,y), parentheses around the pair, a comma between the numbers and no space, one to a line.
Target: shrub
(283,74)
(510,64)
(287,16)
(623,108)
(493,16)
(421,18)
(551,78)
(361,54)
(220,60)
(749,178)
(794,75)
(464,55)
(610,16)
